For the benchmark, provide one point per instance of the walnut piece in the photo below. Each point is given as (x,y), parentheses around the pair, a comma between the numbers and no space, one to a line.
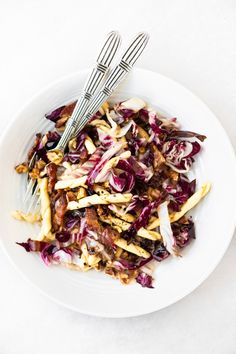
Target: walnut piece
(55,156)
(21,168)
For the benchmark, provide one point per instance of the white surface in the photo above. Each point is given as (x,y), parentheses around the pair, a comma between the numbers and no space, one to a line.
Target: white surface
(192,42)
(174,278)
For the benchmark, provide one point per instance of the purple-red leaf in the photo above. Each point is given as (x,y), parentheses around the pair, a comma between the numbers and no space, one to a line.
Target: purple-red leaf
(145,280)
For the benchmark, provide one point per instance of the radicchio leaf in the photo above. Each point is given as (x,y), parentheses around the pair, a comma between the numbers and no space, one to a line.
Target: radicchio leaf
(105,158)
(124,264)
(117,183)
(155,123)
(183,232)
(128,108)
(144,115)
(83,231)
(179,154)
(140,170)
(142,220)
(97,115)
(48,142)
(130,181)
(62,256)
(186,134)
(125,166)
(54,115)
(145,280)
(160,253)
(52,140)
(179,193)
(33,245)
(72,219)
(124,182)
(86,167)
(137,203)
(80,151)
(47,253)
(147,158)
(105,139)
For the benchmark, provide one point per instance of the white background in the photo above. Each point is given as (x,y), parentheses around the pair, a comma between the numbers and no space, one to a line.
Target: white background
(193,42)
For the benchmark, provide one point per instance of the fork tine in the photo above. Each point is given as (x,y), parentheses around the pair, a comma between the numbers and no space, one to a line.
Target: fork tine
(29,190)
(33,201)
(32,160)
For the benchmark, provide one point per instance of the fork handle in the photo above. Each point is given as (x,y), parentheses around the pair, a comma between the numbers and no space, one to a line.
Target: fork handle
(116,76)
(104,60)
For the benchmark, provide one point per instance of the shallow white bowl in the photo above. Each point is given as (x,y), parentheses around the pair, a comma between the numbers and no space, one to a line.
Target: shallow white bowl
(94,293)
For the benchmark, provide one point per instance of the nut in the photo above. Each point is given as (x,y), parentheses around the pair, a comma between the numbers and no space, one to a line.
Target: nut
(22,168)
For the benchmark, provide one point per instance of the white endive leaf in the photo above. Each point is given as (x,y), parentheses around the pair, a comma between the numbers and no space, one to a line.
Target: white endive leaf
(165,229)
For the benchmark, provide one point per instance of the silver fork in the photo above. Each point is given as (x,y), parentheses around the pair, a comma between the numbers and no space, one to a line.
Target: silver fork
(116,76)
(103,63)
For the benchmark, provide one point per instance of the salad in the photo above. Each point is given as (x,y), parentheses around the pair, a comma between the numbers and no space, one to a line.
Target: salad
(117,199)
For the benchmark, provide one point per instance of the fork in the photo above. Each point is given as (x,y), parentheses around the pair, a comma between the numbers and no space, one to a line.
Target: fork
(116,76)
(95,78)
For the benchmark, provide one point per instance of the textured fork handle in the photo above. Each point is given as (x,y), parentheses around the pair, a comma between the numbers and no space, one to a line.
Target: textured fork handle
(116,76)
(99,71)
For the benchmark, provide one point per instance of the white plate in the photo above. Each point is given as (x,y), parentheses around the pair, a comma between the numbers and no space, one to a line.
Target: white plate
(94,293)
